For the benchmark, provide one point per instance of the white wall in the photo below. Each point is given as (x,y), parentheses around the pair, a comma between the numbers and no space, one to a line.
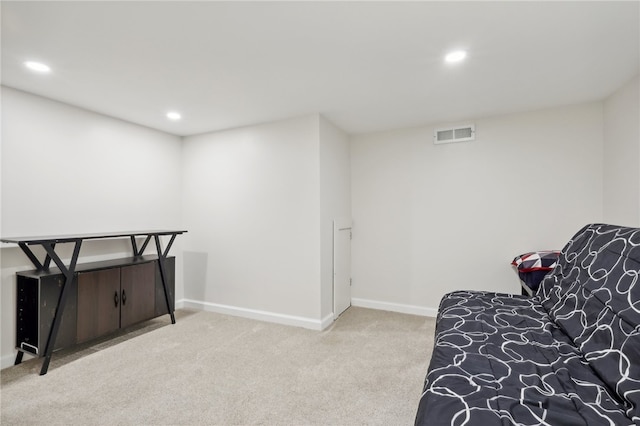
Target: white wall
(67,170)
(251,203)
(622,155)
(5,315)
(335,201)
(430,219)
(258,201)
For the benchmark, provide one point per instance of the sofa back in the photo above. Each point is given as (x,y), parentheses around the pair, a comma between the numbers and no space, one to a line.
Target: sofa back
(593,295)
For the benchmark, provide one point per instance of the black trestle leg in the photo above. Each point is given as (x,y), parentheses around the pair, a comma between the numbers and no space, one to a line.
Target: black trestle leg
(19,356)
(163,276)
(62,301)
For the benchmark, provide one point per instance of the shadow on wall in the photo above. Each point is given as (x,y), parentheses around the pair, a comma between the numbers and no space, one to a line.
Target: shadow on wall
(195,275)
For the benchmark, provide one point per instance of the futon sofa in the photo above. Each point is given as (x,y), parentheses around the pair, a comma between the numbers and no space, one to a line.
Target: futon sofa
(569,355)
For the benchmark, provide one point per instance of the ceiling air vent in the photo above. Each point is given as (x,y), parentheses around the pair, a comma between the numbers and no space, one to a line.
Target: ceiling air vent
(454,134)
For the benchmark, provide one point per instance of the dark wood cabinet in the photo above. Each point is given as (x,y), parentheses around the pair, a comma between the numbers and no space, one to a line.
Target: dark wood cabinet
(104,297)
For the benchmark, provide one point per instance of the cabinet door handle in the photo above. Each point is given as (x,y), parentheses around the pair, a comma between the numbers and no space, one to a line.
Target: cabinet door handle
(115,298)
(124,298)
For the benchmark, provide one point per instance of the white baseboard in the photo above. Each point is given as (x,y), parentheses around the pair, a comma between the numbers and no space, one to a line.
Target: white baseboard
(7,360)
(327,321)
(395,307)
(312,324)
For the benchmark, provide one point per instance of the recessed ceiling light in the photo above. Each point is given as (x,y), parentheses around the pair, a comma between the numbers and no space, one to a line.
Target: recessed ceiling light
(174,116)
(37,66)
(455,56)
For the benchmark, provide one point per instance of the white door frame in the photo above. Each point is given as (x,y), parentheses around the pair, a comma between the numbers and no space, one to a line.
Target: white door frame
(341,266)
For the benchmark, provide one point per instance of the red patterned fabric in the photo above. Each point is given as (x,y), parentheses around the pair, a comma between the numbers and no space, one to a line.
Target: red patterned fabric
(536,261)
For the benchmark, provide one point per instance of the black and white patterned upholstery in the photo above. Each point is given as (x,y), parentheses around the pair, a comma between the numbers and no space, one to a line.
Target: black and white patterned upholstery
(570,355)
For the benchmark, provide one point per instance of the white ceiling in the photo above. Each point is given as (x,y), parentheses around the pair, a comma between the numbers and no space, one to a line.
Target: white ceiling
(366,66)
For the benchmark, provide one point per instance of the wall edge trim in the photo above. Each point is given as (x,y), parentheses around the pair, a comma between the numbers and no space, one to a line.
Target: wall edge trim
(395,307)
(8,360)
(297,321)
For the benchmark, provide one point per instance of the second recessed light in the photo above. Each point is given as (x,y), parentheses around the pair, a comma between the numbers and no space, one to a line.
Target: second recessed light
(455,56)
(173,115)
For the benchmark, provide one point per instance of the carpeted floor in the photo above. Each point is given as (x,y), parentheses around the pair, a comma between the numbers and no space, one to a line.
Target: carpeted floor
(210,369)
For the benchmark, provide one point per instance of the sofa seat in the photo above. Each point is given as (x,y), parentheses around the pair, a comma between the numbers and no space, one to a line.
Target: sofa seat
(501,360)
(568,356)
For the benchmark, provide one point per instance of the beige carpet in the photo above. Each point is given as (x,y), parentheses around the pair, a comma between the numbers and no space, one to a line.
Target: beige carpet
(368,368)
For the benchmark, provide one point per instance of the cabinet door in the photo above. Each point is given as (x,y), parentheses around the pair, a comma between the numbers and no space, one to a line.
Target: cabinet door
(98,303)
(138,293)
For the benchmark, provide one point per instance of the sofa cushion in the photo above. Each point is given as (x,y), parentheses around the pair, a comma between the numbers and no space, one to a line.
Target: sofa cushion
(498,359)
(544,260)
(593,295)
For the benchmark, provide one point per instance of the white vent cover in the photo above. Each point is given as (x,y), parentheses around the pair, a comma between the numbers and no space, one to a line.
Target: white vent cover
(454,134)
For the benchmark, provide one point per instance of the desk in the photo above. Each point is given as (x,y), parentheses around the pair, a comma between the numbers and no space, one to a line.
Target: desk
(49,244)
